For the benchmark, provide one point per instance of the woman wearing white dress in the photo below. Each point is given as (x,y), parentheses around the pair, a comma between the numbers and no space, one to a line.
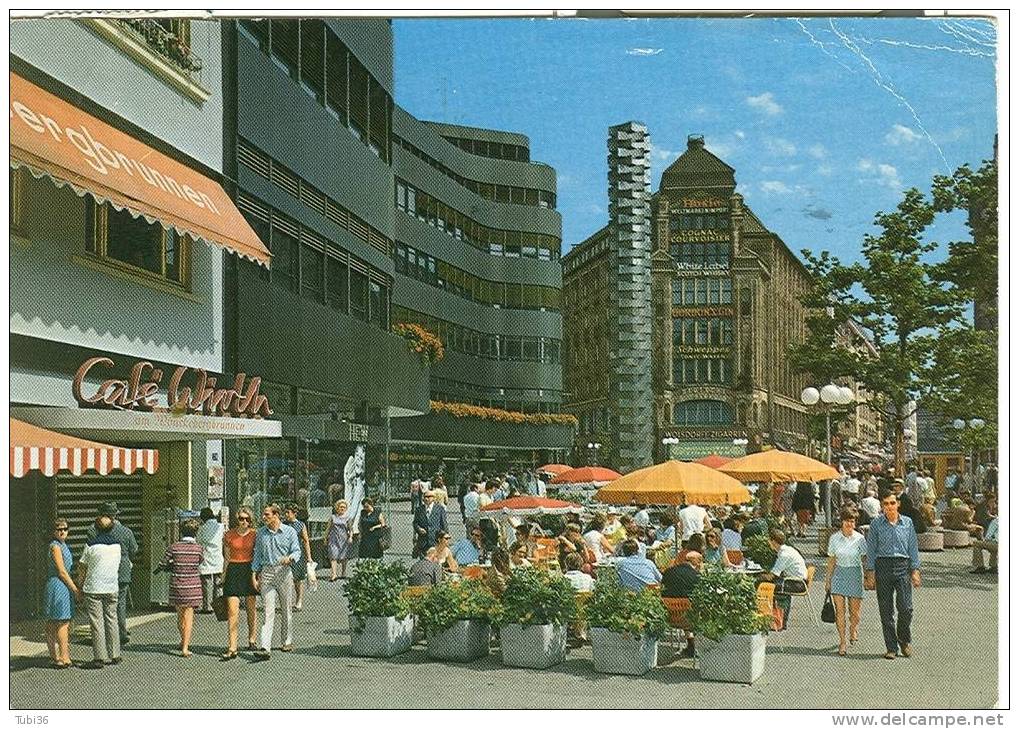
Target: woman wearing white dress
(846,551)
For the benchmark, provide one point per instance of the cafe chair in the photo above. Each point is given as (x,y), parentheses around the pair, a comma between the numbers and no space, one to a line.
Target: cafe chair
(735,556)
(677,608)
(472,572)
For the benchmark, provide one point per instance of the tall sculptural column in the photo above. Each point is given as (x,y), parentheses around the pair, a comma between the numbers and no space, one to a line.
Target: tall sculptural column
(630,311)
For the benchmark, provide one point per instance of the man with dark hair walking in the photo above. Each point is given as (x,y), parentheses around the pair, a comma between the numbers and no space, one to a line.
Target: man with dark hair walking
(128,549)
(893,568)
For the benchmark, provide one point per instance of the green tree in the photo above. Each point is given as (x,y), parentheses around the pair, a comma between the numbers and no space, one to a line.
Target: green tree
(895,294)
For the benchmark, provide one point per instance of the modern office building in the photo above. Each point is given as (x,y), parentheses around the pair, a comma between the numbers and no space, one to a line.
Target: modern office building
(725,302)
(477,262)
(375,218)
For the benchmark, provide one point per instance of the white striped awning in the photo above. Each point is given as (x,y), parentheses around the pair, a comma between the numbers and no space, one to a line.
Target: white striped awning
(37,449)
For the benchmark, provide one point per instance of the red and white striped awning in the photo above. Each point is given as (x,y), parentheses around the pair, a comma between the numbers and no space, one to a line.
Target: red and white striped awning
(38,449)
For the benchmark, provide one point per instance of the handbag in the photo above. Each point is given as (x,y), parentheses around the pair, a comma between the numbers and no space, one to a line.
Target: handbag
(828,610)
(219,607)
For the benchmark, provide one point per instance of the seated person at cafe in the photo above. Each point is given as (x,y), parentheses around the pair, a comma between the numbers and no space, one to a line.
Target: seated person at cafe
(581,581)
(636,572)
(665,534)
(518,556)
(632,532)
(679,580)
(959,517)
(470,549)
(613,530)
(789,572)
(571,541)
(988,544)
(497,577)
(713,552)
(524,536)
(443,554)
(696,543)
(732,534)
(427,571)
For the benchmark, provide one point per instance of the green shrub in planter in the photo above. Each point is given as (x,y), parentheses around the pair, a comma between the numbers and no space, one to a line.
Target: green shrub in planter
(449,602)
(376,589)
(622,611)
(538,597)
(758,548)
(725,603)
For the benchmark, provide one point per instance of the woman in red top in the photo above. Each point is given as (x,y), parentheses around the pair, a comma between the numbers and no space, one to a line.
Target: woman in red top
(238,551)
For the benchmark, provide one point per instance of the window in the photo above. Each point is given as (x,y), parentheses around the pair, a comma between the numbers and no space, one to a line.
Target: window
(703,412)
(284,38)
(359,78)
(336,284)
(148,247)
(17,200)
(378,118)
(513,349)
(285,256)
(259,30)
(312,265)
(358,295)
(379,302)
(336,76)
(313,57)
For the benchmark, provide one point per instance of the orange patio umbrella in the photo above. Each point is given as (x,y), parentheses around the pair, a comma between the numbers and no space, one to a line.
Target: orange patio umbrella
(776,466)
(713,461)
(674,482)
(587,474)
(555,468)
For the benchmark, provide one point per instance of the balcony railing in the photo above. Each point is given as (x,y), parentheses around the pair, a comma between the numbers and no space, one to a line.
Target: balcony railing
(168,45)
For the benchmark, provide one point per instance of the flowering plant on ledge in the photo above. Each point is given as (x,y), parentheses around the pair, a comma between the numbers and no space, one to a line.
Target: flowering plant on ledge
(422,341)
(463,410)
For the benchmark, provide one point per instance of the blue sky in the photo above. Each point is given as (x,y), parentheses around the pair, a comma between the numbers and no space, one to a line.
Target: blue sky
(826,121)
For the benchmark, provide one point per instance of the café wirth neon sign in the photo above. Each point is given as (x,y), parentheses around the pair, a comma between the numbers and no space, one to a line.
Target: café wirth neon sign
(141,390)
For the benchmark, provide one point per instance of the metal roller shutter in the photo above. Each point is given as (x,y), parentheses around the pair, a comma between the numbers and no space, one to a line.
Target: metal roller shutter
(79,497)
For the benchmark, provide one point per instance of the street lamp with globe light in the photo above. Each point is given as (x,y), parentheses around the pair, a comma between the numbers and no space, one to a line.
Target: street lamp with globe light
(669,441)
(592,453)
(973,424)
(829,396)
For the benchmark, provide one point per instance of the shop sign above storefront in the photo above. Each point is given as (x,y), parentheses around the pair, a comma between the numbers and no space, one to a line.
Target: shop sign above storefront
(141,390)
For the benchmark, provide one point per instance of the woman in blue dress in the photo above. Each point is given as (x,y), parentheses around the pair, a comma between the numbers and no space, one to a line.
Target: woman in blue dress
(846,550)
(59,597)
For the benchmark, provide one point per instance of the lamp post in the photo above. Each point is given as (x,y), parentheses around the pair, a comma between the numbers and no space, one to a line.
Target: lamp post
(669,441)
(592,453)
(828,397)
(961,425)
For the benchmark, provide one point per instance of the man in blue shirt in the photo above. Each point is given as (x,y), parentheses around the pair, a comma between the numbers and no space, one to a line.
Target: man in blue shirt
(893,567)
(469,549)
(276,548)
(636,572)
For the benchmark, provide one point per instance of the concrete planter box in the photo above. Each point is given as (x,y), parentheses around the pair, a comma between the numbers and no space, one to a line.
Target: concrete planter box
(533,646)
(956,538)
(464,640)
(930,541)
(622,653)
(378,637)
(734,658)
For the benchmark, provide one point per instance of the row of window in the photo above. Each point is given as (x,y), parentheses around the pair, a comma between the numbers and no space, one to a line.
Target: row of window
(701,330)
(507,243)
(701,291)
(699,221)
(497,294)
(594,421)
(694,370)
(304,263)
(482,344)
(701,253)
(703,412)
(312,54)
(487,190)
(495,150)
(506,398)
(298,188)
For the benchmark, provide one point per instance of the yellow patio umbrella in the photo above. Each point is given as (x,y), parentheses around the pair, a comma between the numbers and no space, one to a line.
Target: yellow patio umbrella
(674,482)
(776,466)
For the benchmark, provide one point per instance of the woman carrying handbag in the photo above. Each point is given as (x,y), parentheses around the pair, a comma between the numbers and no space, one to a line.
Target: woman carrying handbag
(846,551)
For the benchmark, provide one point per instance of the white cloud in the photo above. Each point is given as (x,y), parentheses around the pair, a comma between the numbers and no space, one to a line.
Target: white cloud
(739,133)
(901,135)
(779,146)
(644,51)
(825,170)
(775,187)
(701,110)
(662,154)
(880,173)
(817,151)
(765,102)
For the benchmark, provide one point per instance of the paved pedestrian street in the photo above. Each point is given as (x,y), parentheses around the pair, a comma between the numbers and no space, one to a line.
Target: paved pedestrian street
(955,638)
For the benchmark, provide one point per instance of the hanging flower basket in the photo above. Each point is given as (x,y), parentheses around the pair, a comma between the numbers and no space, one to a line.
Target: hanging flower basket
(422,341)
(463,410)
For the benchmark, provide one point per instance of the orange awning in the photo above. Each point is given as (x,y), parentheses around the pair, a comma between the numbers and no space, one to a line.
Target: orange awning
(38,449)
(54,138)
